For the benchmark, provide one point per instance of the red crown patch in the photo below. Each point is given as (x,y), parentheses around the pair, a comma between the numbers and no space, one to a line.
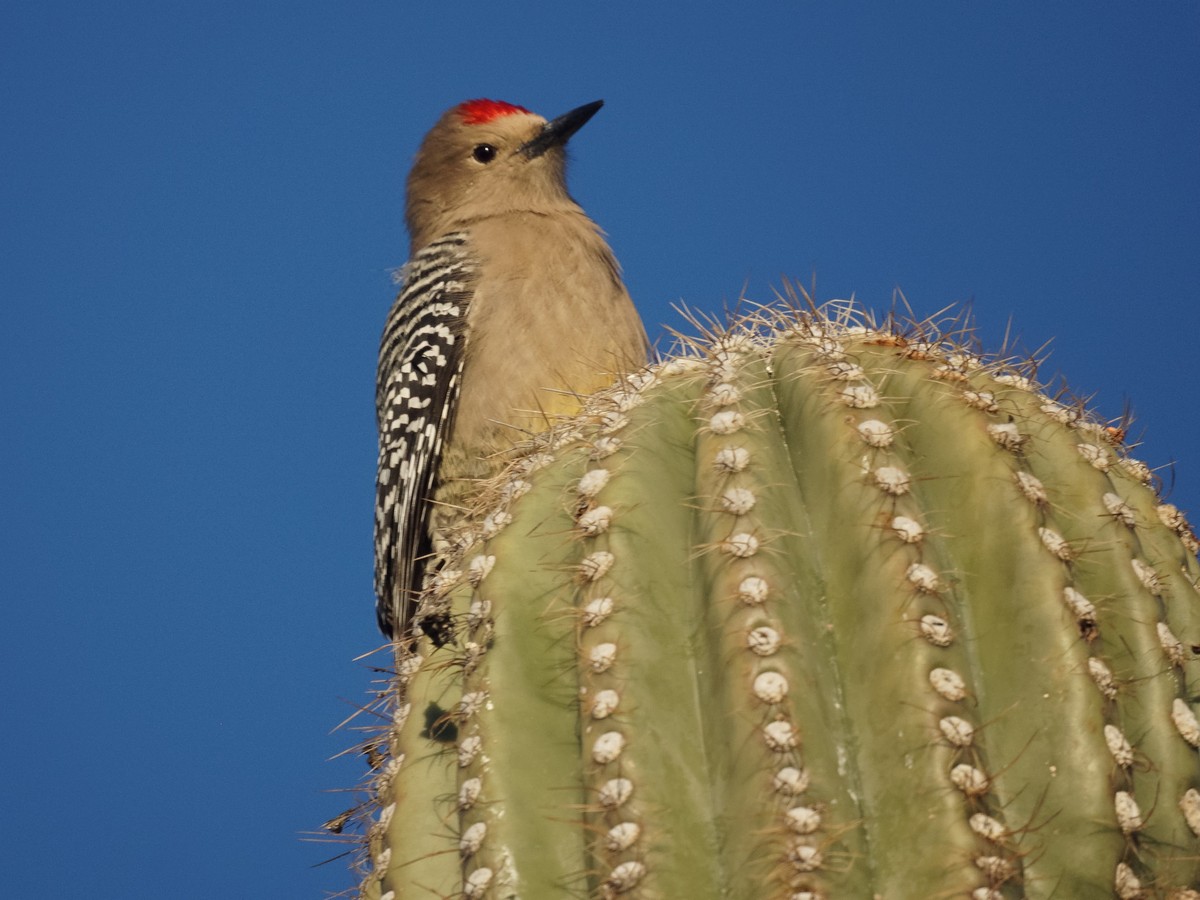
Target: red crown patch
(480,112)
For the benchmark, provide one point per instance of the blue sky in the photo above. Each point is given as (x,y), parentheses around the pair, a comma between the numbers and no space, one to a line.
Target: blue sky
(200,206)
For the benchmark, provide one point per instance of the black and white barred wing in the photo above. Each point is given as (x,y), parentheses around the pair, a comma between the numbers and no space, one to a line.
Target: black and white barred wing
(416,391)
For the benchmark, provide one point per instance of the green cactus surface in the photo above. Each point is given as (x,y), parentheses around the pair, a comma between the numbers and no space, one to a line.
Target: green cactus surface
(818,608)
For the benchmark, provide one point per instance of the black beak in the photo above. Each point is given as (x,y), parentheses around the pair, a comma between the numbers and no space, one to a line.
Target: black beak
(558,131)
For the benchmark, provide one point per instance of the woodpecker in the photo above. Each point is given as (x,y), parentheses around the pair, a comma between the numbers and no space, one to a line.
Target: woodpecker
(511,306)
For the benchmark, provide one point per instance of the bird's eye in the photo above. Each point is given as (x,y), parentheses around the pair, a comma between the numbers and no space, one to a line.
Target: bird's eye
(484,153)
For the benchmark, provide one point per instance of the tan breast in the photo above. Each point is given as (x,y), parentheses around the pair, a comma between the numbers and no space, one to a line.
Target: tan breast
(550,320)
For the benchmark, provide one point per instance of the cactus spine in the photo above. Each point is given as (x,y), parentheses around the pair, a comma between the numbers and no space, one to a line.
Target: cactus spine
(817,609)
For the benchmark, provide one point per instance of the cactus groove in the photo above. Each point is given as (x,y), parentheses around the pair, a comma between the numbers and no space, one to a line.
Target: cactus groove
(818,608)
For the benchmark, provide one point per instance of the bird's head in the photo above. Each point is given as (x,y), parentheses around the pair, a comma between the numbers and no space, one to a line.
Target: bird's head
(486,158)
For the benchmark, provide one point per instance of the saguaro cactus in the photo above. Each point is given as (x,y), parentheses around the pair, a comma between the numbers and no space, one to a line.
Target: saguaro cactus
(816,609)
